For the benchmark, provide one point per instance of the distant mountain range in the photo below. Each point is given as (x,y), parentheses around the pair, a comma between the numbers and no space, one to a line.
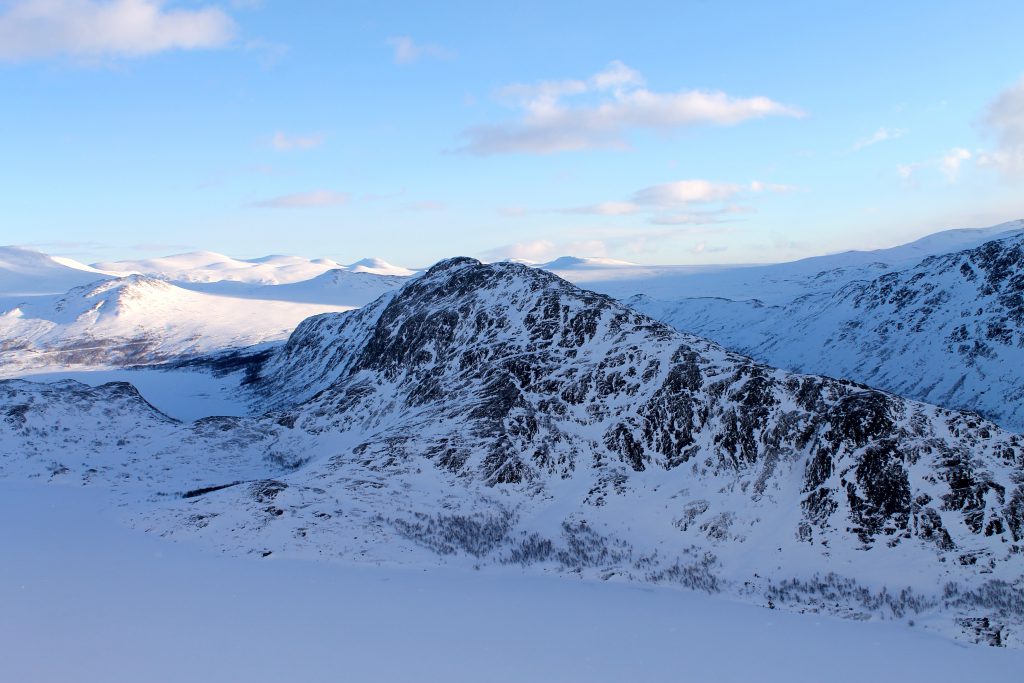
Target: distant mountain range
(773,284)
(57,313)
(207,266)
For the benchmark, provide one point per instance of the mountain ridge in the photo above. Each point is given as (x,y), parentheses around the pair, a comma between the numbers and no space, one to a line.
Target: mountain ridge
(947,330)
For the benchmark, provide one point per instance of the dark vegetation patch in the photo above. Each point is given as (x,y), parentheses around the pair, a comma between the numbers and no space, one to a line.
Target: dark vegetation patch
(195,493)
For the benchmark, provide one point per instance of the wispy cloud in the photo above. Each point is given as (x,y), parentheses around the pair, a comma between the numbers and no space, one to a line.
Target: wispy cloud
(726,214)
(1004,119)
(621,242)
(606,209)
(880,135)
(686,192)
(704,248)
(285,143)
(618,103)
(40,29)
(907,171)
(305,200)
(407,50)
(948,164)
(669,203)
(778,188)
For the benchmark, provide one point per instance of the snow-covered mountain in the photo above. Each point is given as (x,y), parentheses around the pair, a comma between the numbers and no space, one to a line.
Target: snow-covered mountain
(135,320)
(949,330)
(773,284)
(208,266)
(496,414)
(378,266)
(335,287)
(565,263)
(26,273)
(56,313)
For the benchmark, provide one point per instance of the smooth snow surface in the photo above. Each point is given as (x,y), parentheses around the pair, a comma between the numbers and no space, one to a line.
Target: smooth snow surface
(85,599)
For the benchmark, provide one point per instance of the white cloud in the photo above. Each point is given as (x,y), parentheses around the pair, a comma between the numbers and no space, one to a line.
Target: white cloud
(305,200)
(664,196)
(950,163)
(1005,120)
(665,201)
(907,171)
(619,103)
(407,50)
(686,192)
(880,135)
(39,29)
(285,143)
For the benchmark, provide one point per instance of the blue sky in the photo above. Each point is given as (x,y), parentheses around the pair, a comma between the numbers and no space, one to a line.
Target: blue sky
(682,132)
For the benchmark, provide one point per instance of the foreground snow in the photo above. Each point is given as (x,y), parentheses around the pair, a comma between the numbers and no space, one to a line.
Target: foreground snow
(88,600)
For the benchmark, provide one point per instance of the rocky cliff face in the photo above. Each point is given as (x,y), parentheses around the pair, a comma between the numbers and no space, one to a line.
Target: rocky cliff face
(948,331)
(498,414)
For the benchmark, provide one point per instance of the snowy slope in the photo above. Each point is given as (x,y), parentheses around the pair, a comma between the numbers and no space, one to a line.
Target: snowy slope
(24,272)
(335,287)
(497,415)
(136,320)
(949,330)
(207,266)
